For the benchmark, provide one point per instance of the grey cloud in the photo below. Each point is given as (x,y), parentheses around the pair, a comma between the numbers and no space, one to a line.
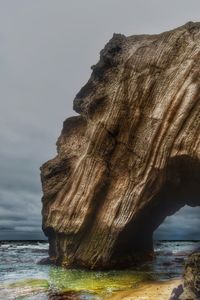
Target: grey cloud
(20,175)
(182,225)
(7,228)
(20,212)
(46,50)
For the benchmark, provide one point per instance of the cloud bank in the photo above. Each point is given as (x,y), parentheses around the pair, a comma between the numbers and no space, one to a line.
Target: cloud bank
(46,50)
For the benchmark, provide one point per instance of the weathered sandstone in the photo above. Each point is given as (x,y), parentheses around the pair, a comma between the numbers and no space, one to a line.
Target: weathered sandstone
(132,156)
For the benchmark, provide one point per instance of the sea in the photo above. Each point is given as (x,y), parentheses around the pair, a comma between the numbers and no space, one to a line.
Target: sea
(22,277)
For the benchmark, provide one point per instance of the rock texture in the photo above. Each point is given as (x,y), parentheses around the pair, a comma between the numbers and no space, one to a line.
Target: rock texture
(192,276)
(190,290)
(132,156)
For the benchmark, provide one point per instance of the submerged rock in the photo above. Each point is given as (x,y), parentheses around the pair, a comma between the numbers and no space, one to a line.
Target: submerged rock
(131,157)
(65,296)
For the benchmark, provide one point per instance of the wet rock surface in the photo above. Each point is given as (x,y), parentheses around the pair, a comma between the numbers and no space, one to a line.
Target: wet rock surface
(64,296)
(190,290)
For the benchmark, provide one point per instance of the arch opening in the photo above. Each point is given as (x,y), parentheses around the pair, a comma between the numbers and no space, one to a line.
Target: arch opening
(182,226)
(181,188)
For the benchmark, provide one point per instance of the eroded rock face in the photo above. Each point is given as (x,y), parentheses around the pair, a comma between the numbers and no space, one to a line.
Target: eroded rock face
(190,289)
(192,275)
(132,155)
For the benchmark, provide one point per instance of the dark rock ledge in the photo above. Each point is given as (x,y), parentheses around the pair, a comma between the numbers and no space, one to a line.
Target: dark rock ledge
(190,289)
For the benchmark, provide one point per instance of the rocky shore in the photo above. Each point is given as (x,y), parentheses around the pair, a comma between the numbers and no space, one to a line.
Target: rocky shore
(186,289)
(190,288)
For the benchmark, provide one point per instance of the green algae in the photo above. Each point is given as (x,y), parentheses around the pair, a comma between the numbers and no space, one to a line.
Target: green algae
(98,284)
(24,289)
(94,282)
(30,283)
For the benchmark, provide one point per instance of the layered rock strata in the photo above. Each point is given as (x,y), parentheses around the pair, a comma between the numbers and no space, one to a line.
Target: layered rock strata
(132,155)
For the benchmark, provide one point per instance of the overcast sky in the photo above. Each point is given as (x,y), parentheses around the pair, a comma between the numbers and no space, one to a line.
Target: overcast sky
(46,50)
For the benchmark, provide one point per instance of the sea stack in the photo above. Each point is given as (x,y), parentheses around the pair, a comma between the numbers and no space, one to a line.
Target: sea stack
(132,155)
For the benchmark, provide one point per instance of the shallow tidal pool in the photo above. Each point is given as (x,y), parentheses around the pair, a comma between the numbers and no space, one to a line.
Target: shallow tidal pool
(21,277)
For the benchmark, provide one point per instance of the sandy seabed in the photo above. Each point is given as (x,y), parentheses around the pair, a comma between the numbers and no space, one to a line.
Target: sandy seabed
(148,291)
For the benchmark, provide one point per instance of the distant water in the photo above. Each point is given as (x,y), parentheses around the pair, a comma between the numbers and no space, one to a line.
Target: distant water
(22,278)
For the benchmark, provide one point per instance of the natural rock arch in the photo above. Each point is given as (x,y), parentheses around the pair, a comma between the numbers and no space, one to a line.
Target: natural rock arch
(135,144)
(181,187)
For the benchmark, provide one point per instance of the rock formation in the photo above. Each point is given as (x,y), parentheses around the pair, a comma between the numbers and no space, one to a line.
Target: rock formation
(190,290)
(132,155)
(192,277)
